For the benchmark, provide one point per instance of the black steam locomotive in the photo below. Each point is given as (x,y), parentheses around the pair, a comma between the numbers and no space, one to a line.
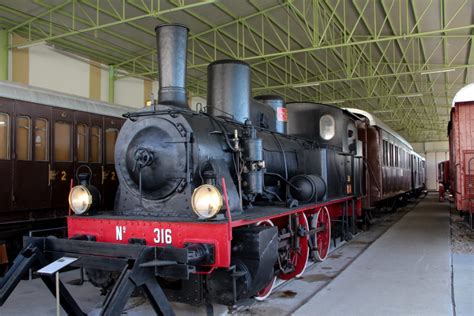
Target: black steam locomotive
(213,206)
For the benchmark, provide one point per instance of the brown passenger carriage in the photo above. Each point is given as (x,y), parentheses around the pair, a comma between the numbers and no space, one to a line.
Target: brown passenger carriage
(393,170)
(45,137)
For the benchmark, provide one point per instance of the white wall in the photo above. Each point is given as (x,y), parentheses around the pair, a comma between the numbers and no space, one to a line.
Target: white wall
(52,70)
(434,153)
(195,101)
(129,91)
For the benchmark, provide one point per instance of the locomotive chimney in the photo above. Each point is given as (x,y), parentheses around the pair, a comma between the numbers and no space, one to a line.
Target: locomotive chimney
(228,89)
(172,47)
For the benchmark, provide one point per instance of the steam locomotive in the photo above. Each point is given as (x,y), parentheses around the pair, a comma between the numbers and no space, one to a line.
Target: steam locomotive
(215,206)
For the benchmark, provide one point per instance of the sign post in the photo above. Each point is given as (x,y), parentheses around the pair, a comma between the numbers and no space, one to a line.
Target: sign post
(54,268)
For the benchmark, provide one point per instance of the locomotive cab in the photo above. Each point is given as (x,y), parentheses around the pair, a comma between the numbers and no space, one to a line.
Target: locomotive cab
(336,135)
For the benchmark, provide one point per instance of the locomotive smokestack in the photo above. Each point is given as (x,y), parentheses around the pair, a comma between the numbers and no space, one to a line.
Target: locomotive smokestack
(228,89)
(172,47)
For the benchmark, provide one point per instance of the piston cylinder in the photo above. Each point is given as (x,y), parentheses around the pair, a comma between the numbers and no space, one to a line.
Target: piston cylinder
(308,188)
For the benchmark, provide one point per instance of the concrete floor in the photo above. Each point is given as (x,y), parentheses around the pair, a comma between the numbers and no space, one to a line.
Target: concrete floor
(407,271)
(463,284)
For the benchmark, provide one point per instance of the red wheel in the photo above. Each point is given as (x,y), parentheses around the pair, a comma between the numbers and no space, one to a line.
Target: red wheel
(267,290)
(298,257)
(322,239)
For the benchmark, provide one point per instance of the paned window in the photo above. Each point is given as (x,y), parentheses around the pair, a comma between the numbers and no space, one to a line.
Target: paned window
(81,142)
(23,138)
(62,141)
(110,139)
(4,136)
(41,139)
(96,145)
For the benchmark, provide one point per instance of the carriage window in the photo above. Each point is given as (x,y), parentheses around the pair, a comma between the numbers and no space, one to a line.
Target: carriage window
(110,138)
(96,154)
(385,153)
(402,158)
(41,140)
(4,136)
(81,146)
(401,151)
(62,141)
(396,156)
(391,155)
(23,138)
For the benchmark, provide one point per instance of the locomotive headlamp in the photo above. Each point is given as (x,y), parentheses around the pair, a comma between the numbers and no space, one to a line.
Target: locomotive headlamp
(206,201)
(80,199)
(327,127)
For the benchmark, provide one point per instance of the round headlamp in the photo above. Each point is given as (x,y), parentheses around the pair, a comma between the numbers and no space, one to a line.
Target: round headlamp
(206,201)
(327,127)
(80,199)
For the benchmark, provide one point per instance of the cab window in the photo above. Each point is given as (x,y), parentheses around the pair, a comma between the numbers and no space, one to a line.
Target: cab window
(62,141)
(4,136)
(96,148)
(81,142)
(41,139)
(110,139)
(23,138)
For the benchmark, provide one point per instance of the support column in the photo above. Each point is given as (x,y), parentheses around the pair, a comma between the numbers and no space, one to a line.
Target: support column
(111,84)
(3,55)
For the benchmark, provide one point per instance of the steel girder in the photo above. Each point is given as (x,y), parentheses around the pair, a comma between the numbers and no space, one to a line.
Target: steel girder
(371,54)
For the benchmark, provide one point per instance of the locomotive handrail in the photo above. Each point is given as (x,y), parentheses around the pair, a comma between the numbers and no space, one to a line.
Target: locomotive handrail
(224,112)
(283,179)
(130,115)
(283,154)
(223,130)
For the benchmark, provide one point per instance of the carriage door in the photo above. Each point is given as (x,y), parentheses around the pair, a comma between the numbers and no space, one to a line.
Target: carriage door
(95,150)
(110,183)
(6,164)
(31,164)
(62,169)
